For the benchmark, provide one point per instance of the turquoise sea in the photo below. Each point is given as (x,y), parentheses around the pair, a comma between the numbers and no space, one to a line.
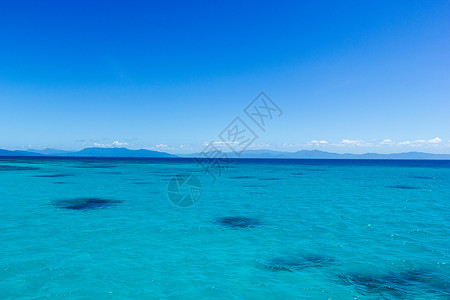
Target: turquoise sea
(264,229)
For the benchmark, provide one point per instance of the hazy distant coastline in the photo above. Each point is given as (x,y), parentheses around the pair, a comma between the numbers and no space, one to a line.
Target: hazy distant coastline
(303,154)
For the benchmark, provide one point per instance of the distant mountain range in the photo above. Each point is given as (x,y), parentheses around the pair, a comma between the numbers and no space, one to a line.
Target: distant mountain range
(15,153)
(317,154)
(304,154)
(89,152)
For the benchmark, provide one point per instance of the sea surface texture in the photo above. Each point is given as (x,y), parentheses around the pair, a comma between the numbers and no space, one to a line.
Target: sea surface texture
(263,229)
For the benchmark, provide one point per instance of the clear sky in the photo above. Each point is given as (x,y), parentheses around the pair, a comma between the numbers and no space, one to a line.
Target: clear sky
(350,76)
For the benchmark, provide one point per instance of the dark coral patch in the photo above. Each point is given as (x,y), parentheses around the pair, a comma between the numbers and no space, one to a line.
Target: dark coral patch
(94,166)
(84,203)
(398,284)
(111,173)
(16,168)
(238,222)
(318,260)
(369,283)
(52,175)
(317,170)
(164,176)
(295,263)
(403,187)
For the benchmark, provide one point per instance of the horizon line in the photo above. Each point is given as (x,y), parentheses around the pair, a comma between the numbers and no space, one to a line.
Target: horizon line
(197,154)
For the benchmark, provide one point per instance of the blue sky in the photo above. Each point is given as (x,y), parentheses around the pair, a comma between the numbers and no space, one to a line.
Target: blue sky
(350,76)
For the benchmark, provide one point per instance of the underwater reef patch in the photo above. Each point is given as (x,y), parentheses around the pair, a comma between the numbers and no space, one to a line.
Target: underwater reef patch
(84,203)
(111,173)
(399,284)
(403,187)
(52,175)
(17,168)
(422,177)
(295,263)
(238,222)
(94,166)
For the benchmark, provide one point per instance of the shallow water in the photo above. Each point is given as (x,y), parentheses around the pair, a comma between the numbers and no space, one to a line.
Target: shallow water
(265,229)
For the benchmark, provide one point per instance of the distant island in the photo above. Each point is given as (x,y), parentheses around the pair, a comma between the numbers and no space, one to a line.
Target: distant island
(267,154)
(317,154)
(88,152)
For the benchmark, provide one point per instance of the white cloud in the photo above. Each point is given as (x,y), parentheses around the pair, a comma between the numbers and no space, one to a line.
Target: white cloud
(224,143)
(118,144)
(414,143)
(319,142)
(185,147)
(101,145)
(114,144)
(348,142)
(221,145)
(162,146)
(386,142)
(355,143)
(436,140)
(260,146)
